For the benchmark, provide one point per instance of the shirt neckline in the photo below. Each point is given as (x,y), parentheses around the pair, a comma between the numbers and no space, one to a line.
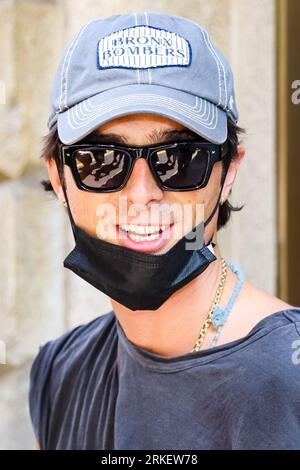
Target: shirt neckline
(167,364)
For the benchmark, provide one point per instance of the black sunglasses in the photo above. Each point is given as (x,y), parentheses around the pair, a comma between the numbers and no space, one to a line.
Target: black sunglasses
(181,166)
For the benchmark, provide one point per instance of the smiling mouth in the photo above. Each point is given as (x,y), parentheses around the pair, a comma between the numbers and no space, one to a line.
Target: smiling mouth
(145,238)
(142,233)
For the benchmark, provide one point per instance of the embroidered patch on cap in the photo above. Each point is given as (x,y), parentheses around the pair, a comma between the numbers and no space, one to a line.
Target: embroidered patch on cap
(142,47)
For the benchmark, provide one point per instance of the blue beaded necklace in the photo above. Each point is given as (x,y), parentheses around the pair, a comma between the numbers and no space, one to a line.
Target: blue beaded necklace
(220,314)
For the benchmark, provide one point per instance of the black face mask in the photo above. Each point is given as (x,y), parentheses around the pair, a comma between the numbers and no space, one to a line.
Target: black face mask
(140,281)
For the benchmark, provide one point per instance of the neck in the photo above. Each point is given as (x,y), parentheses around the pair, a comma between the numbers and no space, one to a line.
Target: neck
(174,328)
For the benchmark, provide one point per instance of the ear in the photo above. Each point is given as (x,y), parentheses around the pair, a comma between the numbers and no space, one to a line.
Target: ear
(55,179)
(232,171)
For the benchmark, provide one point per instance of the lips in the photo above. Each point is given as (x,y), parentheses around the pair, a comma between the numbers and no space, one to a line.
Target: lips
(136,241)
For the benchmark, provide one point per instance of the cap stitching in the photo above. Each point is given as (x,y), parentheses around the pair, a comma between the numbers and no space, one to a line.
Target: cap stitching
(191,109)
(222,65)
(69,60)
(90,118)
(63,67)
(194,109)
(173,104)
(138,70)
(88,115)
(218,67)
(147,23)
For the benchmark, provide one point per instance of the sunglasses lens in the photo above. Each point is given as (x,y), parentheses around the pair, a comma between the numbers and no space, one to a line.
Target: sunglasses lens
(102,168)
(182,167)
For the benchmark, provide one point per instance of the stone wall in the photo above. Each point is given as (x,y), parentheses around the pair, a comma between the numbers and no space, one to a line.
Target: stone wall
(39,299)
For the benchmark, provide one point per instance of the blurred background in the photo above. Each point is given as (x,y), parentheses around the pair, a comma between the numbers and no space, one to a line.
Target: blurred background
(39,298)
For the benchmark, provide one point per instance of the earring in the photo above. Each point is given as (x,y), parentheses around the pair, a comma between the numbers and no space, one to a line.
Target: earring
(222,201)
(65,203)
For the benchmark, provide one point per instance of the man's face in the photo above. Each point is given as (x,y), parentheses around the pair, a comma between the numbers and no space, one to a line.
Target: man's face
(142,192)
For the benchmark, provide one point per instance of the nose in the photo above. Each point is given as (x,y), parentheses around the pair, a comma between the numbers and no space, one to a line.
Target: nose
(141,188)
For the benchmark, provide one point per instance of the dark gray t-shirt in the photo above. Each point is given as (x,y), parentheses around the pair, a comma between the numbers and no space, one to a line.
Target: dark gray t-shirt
(241,395)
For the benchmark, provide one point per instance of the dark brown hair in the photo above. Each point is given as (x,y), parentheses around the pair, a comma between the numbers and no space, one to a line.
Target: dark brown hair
(51,150)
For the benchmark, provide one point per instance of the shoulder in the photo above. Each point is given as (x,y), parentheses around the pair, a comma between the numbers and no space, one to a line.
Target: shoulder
(268,330)
(79,338)
(58,361)
(271,355)
(277,321)
(264,384)
(267,395)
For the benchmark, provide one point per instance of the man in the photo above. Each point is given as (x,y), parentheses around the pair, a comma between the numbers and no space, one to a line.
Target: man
(143,108)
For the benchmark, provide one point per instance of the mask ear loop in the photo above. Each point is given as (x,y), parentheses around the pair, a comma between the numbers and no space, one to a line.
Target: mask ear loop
(217,203)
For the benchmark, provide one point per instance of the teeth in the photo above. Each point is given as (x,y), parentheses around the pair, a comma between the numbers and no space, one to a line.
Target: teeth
(139,238)
(142,230)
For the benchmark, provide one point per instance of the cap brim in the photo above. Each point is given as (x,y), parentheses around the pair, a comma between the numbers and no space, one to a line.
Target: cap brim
(197,114)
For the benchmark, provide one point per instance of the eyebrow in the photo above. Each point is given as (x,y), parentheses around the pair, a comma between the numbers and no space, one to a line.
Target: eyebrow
(155,137)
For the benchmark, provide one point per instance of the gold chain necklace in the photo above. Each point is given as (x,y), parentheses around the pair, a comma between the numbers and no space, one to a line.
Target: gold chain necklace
(208,320)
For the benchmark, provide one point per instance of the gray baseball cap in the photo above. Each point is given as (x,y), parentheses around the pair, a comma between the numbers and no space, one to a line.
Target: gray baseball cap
(142,63)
